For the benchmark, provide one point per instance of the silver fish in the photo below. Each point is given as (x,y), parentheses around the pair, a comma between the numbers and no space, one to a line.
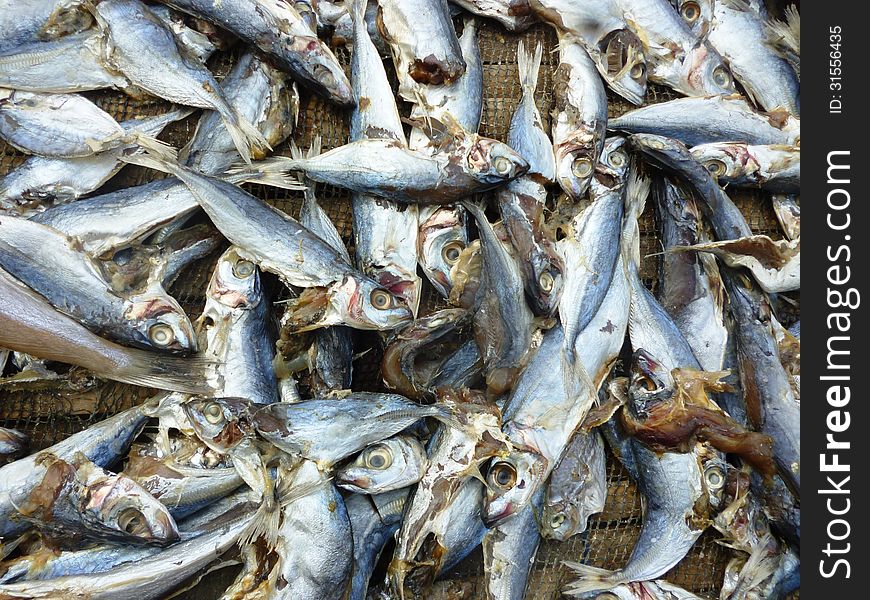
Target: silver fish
(422,40)
(522,202)
(774,167)
(71,281)
(509,551)
(466,164)
(31,325)
(618,53)
(261,95)
(151,577)
(327,431)
(373,520)
(590,253)
(41,19)
(336,294)
(57,180)
(276,28)
(738,31)
(455,455)
(392,464)
(690,288)
(541,413)
(696,121)
(103,444)
(142,48)
(234,328)
(515,15)
(79,499)
(503,322)
(65,126)
(577,487)
(579,118)
(442,236)
(313,541)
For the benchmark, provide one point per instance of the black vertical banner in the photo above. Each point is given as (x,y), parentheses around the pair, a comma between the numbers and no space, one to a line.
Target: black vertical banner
(834,432)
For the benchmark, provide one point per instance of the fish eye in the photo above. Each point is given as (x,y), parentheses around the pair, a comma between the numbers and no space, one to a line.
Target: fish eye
(690,12)
(502,165)
(503,475)
(161,334)
(721,77)
(450,253)
(381,299)
(582,166)
(546,282)
(243,269)
(213,412)
(557,520)
(617,159)
(715,477)
(716,168)
(132,521)
(637,71)
(378,457)
(324,76)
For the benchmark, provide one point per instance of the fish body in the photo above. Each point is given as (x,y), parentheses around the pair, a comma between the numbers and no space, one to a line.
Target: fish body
(696,121)
(509,551)
(327,430)
(41,20)
(235,325)
(373,521)
(579,118)
(577,488)
(102,444)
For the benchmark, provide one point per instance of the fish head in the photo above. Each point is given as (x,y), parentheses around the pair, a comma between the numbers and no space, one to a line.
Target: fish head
(611,169)
(159,321)
(717,477)
(575,160)
(364,304)
(220,423)
(558,522)
(388,465)
(119,508)
(320,70)
(235,282)
(697,14)
(705,73)
(492,162)
(650,382)
(620,59)
(440,242)
(664,152)
(511,482)
(726,160)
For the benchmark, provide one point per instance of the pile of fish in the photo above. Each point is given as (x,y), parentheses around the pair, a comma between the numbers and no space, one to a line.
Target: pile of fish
(256,445)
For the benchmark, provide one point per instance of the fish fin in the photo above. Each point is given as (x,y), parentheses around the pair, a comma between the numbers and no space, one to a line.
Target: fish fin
(153,160)
(636,191)
(529,66)
(246,138)
(590,579)
(153,146)
(271,172)
(264,524)
(187,374)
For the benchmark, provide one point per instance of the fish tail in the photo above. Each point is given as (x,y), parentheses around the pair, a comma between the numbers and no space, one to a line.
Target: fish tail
(272,172)
(636,192)
(246,138)
(186,374)
(153,146)
(264,524)
(590,579)
(784,37)
(529,66)
(358,13)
